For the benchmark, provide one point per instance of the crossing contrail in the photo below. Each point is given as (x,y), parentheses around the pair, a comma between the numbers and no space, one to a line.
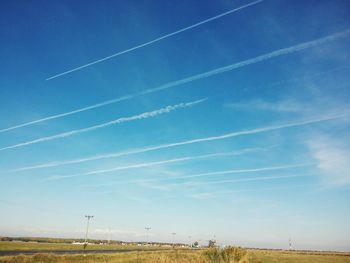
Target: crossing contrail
(183,81)
(144,115)
(155,40)
(148,164)
(176,144)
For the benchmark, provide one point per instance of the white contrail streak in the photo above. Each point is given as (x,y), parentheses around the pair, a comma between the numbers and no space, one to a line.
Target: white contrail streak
(205,195)
(148,164)
(154,40)
(272,168)
(144,115)
(235,171)
(176,144)
(207,74)
(250,179)
(68,113)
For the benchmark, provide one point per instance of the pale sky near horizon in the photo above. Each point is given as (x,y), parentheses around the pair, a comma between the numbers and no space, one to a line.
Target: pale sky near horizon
(178,116)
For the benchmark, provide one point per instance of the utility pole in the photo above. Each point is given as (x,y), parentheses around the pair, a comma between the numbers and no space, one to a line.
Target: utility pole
(147,230)
(189,241)
(290,244)
(173,238)
(87,229)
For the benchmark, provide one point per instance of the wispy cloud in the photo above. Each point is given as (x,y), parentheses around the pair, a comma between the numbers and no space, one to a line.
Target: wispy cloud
(208,174)
(176,144)
(215,194)
(333,160)
(261,58)
(153,186)
(288,105)
(141,116)
(148,164)
(319,105)
(250,179)
(155,40)
(250,170)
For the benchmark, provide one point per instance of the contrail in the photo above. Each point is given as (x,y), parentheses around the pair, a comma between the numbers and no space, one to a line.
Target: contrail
(154,40)
(272,168)
(148,164)
(144,115)
(176,144)
(207,74)
(204,195)
(69,113)
(246,179)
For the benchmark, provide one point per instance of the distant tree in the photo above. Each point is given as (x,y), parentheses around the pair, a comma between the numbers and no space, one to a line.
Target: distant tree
(211,243)
(195,244)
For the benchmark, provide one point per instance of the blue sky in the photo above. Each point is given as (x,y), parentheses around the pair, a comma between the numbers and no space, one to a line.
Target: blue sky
(237,127)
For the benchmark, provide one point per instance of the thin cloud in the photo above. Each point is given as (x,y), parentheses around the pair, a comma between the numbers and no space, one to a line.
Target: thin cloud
(148,164)
(277,53)
(214,194)
(155,40)
(291,105)
(245,180)
(176,144)
(277,106)
(271,168)
(333,160)
(145,115)
(234,171)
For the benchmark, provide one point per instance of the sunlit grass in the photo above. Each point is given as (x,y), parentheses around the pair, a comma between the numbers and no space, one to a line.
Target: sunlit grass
(213,255)
(268,256)
(66,246)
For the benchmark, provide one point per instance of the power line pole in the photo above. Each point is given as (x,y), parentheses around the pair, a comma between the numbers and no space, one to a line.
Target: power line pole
(147,230)
(87,229)
(173,238)
(189,241)
(290,244)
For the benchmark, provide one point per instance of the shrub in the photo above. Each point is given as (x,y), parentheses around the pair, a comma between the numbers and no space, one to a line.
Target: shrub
(226,255)
(213,255)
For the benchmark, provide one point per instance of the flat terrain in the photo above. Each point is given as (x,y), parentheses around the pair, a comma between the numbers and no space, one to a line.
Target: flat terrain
(28,246)
(264,256)
(137,254)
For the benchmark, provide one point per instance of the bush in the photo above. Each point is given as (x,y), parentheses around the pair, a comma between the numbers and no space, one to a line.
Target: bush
(226,255)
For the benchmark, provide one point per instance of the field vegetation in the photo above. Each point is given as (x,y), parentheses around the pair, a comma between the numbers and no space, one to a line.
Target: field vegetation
(33,245)
(210,255)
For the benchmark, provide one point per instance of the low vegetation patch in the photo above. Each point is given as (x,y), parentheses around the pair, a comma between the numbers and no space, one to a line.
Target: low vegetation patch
(226,255)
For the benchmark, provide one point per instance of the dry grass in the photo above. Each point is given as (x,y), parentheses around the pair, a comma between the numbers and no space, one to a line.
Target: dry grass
(130,257)
(230,255)
(227,255)
(21,246)
(271,256)
(188,256)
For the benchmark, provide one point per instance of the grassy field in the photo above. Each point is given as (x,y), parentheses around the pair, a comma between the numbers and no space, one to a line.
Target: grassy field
(7,245)
(264,256)
(130,257)
(165,256)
